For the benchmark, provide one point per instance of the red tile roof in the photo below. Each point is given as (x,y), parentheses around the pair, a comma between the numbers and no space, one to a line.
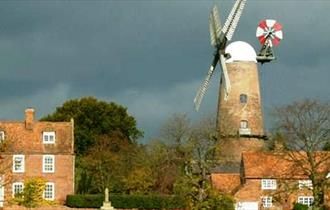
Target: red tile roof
(226,183)
(280,165)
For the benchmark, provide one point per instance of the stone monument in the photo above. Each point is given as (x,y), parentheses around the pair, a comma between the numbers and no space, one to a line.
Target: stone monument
(107,203)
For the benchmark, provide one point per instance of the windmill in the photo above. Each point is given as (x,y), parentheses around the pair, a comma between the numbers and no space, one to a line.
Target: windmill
(219,38)
(269,33)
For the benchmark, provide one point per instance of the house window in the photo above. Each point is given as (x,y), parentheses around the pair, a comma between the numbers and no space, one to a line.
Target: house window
(49,192)
(48,164)
(306,200)
(18,163)
(305,184)
(17,188)
(267,201)
(2,135)
(243,124)
(268,184)
(48,137)
(243,98)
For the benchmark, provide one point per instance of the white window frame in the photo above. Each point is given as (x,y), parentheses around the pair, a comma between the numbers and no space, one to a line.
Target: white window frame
(302,184)
(268,184)
(2,136)
(22,169)
(14,186)
(46,166)
(52,193)
(243,124)
(306,200)
(48,137)
(267,201)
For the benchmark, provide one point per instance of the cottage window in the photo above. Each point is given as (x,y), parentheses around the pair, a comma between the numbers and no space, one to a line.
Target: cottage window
(2,136)
(306,200)
(18,163)
(268,184)
(49,192)
(305,184)
(267,201)
(48,164)
(243,98)
(48,137)
(17,188)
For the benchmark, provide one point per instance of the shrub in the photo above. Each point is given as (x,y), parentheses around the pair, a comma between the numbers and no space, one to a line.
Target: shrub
(32,194)
(299,206)
(127,201)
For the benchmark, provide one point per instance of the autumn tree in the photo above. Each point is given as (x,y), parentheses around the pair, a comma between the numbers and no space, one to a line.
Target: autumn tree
(110,162)
(94,118)
(305,127)
(189,150)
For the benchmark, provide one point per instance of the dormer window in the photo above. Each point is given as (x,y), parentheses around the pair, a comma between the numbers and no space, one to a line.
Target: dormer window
(48,137)
(243,98)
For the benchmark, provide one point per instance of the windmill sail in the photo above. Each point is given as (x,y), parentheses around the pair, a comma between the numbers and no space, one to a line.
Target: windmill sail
(233,18)
(215,20)
(225,76)
(201,91)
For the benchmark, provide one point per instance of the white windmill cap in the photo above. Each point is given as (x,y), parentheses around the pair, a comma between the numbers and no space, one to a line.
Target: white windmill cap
(240,51)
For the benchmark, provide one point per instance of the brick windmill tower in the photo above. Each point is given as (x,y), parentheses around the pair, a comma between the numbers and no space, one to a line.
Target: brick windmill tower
(239,118)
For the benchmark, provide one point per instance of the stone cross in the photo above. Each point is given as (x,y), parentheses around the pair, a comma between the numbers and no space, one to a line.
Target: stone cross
(106,193)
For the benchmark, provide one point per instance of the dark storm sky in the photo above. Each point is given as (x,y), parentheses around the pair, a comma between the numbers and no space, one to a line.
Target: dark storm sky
(150,56)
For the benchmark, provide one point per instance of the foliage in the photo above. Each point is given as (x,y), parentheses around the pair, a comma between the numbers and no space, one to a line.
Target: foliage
(195,152)
(114,162)
(305,126)
(32,195)
(139,181)
(126,201)
(93,118)
(299,206)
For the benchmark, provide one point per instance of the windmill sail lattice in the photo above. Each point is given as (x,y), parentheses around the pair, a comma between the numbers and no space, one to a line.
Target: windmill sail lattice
(219,37)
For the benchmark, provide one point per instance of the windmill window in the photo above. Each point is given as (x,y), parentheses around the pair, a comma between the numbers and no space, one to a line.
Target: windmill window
(2,135)
(243,98)
(243,124)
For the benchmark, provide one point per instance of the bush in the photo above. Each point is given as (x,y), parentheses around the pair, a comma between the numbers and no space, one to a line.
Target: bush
(299,206)
(126,201)
(32,194)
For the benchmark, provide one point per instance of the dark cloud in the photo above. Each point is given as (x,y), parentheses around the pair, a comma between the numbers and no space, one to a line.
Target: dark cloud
(150,56)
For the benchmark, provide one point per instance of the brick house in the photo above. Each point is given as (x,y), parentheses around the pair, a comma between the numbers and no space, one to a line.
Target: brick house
(268,180)
(37,149)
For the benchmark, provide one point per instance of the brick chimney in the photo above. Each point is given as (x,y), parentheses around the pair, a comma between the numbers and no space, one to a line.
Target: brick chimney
(29,118)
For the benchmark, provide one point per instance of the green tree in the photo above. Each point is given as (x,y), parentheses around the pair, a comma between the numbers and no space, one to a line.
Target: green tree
(93,118)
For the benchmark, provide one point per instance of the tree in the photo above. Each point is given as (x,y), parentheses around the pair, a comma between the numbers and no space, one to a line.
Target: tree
(107,163)
(94,118)
(192,149)
(305,126)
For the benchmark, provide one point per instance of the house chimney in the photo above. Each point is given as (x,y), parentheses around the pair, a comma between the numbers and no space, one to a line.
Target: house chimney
(29,118)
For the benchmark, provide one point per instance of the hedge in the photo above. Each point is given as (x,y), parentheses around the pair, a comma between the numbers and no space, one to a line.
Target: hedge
(127,201)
